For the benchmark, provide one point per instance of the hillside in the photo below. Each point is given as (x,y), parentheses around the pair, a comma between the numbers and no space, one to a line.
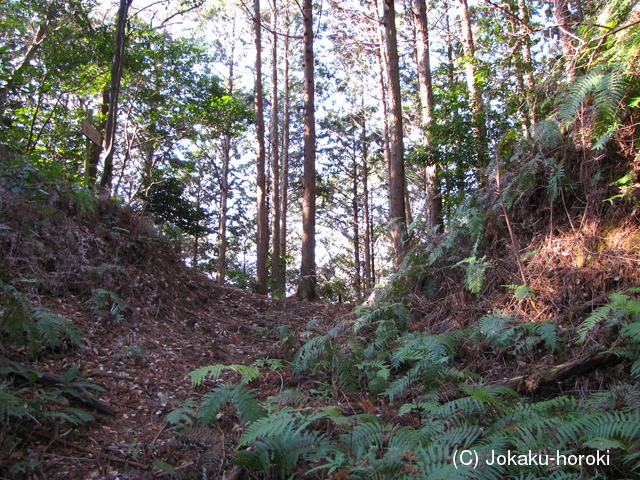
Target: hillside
(146,321)
(311,379)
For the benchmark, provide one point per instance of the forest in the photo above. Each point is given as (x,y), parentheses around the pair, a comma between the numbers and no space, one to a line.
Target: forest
(358,239)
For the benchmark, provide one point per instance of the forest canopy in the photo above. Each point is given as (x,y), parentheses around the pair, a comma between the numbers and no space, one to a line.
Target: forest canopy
(411,120)
(319,239)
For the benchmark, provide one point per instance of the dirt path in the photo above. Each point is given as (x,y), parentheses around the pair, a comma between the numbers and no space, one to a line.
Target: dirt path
(144,364)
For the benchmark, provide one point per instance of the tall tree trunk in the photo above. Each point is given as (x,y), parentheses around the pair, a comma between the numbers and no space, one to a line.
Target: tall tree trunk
(96,150)
(524,68)
(382,91)
(355,207)
(224,181)
(284,187)
(368,267)
(222,213)
(397,209)
(307,284)
(276,270)
(383,87)
(475,95)
(432,191)
(114,93)
(263,233)
(563,19)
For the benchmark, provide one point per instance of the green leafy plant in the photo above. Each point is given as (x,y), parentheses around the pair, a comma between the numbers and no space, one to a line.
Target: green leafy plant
(621,306)
(520,292)
(107,303)
(284,439)
(242,400)
(517,339)
(33,327)
(475,269)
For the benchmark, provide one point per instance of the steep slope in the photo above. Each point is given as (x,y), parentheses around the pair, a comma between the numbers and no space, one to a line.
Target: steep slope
(146,322)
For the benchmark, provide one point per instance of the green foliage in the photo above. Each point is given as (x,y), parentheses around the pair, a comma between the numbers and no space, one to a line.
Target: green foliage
(33,327)
(54,329)
(248,374)
(520,292)
(517,339)
(620,307)
(107,303)
(167,203)
(41,404)
(241,399)
(605,88)
(12,404)
(283,439)
(164,466)
(184,415)
(475,269)
(628,185)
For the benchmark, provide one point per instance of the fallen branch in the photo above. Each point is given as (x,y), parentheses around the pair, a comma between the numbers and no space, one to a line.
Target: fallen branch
(46,377)
(579,366)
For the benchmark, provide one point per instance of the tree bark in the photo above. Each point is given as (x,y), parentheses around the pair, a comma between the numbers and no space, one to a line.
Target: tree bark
(355,207)
(221,270)
(475,95)
(94,151)
(382,90)
(551,376)
(432,191)
(367,237)
(276,267)
(262,234)
(114,93)
(525,69)
(397,208)
(307,284)
(563,19)
(284,187)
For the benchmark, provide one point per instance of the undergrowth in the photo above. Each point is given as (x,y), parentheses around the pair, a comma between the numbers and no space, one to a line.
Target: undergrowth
(447,422)
(23,403)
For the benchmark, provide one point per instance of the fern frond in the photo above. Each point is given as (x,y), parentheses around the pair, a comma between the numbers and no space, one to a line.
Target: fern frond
(620,426)
(54,328)
(461,436)
(464,407)
(242,399)
(547,332)
(490,394)
(182,415)
(369,434)
(283,439)
(343,372)
(435,462)
(11,404)
(247,373)
(310,353)
(198,435)
(289,398)
(199,375)
(598,315)
(577,95)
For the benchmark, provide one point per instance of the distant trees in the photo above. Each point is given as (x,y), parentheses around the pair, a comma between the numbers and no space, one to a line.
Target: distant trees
(401,139)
